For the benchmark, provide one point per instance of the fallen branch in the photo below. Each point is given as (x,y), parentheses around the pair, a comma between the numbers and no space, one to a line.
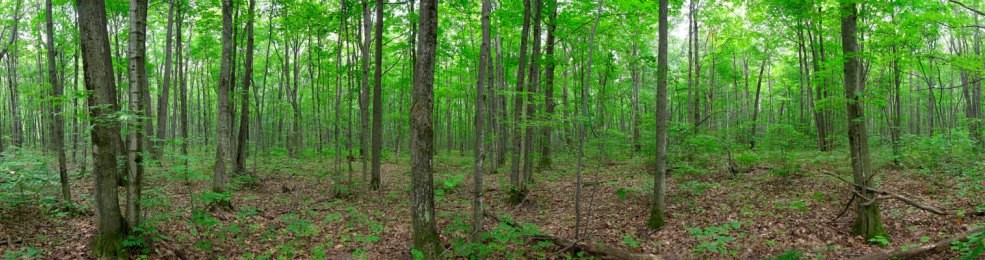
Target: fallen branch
(601,251)
(11,242)
(917,251)
(890,195)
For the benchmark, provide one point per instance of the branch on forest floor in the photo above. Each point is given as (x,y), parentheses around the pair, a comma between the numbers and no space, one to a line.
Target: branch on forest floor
(890,195)
(602,251)
(917,251)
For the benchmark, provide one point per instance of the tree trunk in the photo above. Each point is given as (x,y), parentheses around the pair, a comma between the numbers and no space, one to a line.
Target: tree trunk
(16,127)
(364,92)
(162,99)
(480,145)
(868,223)
(755,106)
(137,66)
(225,84)
(377,144)
(518,189)
(545,152)
(425,233)
(244,114)
(657,210)
(58,122)
(103,106)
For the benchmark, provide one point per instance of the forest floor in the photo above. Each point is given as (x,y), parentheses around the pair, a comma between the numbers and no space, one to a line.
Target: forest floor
(301,209)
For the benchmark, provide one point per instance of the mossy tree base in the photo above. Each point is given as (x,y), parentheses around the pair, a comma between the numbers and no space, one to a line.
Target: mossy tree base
(656,220)
(868,222)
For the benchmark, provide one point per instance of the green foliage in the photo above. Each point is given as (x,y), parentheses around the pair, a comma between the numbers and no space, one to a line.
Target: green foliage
(880,240)
(971,248)
(23,253)
(697,188)
(939,152)
(24,178)
(714,239)
(784,137)
(297,226)
(793,204)
(785,171)
(498,239)
(630,241)
(790,255)
(210,198)
(447,184)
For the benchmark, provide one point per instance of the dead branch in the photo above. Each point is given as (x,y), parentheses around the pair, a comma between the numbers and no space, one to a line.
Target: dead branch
(602,251)
(917,251)
(890,195)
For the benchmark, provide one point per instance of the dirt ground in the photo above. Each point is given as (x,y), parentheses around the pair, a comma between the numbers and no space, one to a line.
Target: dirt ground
(297,212)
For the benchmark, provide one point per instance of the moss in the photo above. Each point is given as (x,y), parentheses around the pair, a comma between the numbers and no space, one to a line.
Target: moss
(868,222)
(108,245)
(656,220)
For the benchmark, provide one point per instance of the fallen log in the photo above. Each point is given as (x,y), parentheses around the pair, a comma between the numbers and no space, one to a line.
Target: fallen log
(921,250)
(601,251)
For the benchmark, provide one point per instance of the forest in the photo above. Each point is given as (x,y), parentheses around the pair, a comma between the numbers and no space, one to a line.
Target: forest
(492,129)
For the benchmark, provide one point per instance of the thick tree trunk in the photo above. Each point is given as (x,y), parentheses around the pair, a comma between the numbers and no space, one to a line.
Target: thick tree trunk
(657,210)
(223,114)
(99,80)
(868,223)
(425,233)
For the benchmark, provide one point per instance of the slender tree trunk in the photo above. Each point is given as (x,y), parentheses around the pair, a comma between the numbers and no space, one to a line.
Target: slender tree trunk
(545,152)
(425,233)
(138,84)
(755,106)
(364,92)
(377,144)
(16,127)
(98,68)
(584,125)
(868,223)
(480,144)
(244,114)
(658,209)
(162,99)
(518,189)
(58,124)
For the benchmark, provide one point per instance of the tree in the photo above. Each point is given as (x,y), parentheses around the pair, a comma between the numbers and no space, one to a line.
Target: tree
(244,114)
(58,120)
(868,222)
(659,207)
(105,129)
(518,187)
(425,233)
(545,153)
(162,99)
(137,67)
(225,84)
(10,51)
(374,183)
(480,144)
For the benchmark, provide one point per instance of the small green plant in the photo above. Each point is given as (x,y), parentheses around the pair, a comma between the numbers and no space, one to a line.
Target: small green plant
(790,255)
(972,248)
(698,188)
(880,240)
(23,253)
(630,241)
(211,198)
(298,226)
(793,204)
(715,239)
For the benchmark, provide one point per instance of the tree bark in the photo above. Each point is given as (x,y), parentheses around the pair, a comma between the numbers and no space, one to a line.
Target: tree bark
(377,144)
(868,223)
(657,210)
(545,152)
(137,66)
(225,84)
(425,233)
(162,98)
(480,145)
(244,114)
(99,80)
(16,127)
(518,189)
(58,122)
